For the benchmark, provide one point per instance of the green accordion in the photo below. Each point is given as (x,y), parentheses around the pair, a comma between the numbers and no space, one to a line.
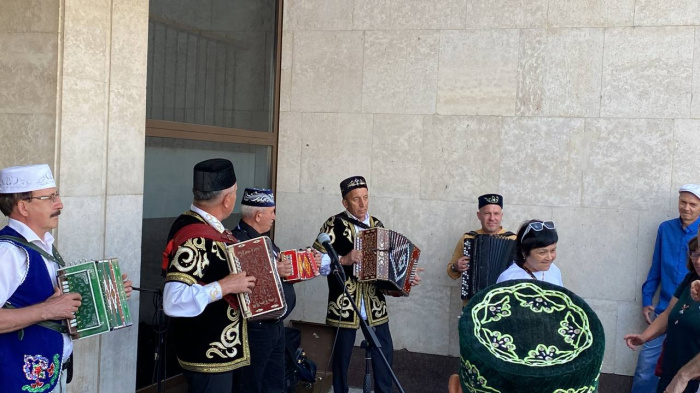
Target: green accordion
(529,336)
(104,305)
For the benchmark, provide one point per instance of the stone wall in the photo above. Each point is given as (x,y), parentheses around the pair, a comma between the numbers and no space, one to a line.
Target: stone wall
(72,94)
(582,112)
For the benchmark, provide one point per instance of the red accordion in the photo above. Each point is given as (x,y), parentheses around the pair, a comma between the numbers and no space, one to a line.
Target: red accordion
(389,259)
(257,258)
(303,265)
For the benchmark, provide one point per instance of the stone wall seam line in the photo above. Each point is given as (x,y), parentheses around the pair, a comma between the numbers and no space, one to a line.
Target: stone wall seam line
(59,97)
(692,74)
(602,76)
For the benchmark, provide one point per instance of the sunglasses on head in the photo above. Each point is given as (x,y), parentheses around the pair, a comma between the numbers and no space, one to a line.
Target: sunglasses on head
(537,226)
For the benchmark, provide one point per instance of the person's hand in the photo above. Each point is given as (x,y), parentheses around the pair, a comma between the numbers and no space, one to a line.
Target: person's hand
(237,283)
(61,306)
(634,340)
(461,264)
(317,257)
(351,258)
(416,278)
(695,290)
(284,268)
(128,287)
(647,311)
(678,383)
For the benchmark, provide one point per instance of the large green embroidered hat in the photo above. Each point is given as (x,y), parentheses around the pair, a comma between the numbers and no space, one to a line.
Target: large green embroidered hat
(529,336)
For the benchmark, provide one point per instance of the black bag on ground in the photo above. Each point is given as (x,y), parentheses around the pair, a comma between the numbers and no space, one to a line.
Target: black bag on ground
(298,368)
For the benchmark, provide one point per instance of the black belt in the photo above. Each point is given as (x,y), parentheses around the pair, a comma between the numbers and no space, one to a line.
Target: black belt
(267,322)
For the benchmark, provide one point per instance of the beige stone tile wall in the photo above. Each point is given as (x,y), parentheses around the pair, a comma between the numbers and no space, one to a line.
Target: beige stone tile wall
(577,111)
(102,106)
(72,94)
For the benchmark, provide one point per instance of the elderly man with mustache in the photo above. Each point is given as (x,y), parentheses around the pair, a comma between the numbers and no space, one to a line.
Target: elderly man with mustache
(35,349)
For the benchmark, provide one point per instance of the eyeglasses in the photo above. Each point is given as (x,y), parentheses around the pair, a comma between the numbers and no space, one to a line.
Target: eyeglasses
(537,226)
(694,254)
(51,197)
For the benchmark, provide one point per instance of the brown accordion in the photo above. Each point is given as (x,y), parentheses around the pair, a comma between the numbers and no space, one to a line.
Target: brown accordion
(257,258)
(489,256)
(389,259)
(303,265)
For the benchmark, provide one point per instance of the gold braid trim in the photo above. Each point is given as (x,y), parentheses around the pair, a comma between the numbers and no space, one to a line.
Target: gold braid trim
(180,277)
(211,368)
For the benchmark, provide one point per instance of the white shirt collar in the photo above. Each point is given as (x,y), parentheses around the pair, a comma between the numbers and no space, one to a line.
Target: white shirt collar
(46,244)
(211,220)
(364,221)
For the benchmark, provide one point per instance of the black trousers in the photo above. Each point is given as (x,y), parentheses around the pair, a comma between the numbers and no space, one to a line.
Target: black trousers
(208,383)
(343,353)
(266,371)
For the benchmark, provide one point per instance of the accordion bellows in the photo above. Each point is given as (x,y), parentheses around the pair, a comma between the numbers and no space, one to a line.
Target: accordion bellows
(389,260)
(303,265)
(104,306)
(529,336)
(489,256)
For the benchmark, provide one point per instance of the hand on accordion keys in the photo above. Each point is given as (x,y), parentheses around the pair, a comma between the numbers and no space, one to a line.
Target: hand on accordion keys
(416,278)
(128,287)
(461,264)
(354,256)
(237,283)
(317,257)
(61,306)
(284,268)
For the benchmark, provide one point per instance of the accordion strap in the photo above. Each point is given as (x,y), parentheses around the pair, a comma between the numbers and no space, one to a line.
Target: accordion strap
(356,222)
(55,326)
(56,257)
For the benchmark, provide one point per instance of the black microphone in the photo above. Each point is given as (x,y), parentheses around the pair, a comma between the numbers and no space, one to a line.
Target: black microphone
(325,240)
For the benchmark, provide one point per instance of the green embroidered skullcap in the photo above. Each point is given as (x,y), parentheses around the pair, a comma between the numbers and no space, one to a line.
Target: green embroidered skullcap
(529,336)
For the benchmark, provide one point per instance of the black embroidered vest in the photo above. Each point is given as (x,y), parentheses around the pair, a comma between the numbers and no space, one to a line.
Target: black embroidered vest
(216,340)
(340,312)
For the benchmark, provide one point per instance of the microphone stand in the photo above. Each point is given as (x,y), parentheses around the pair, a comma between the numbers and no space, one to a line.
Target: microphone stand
(371,340)
(159,371)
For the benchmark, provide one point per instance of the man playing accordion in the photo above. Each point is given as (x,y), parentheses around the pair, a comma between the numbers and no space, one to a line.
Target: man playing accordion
(490,214)
(211,335)
(342,229)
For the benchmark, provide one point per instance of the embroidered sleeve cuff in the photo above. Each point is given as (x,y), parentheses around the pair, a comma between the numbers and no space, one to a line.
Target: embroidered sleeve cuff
(214,291)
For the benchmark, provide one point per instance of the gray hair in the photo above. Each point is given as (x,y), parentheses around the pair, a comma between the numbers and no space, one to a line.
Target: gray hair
(249,211)
(205,196)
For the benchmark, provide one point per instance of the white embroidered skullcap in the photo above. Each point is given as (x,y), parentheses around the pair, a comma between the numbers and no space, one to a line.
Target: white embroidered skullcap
(26,178)
(691,188)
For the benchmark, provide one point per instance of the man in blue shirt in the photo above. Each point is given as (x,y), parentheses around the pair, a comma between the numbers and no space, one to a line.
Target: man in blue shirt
(668,268)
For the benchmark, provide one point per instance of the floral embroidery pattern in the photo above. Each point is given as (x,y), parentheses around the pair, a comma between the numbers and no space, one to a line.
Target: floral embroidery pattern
(192,258)
(571,330)
(43,374)
(529,298)
(501,343)
(230,342)
(342,307)
(545,355)
(496,311)
(473,380)
(539,303)
(585,389)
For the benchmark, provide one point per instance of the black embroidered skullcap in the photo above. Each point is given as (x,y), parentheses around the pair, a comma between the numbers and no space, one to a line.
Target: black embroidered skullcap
(352,183)
(490,199)
(213,175)
(258,197)
(529,336)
